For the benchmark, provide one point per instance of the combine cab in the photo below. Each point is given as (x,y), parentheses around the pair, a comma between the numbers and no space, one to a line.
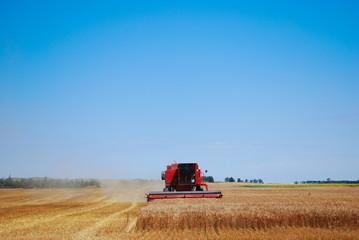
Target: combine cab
(183,180)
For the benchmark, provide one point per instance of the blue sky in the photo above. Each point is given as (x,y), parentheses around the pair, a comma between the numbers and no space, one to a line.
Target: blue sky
(250,89)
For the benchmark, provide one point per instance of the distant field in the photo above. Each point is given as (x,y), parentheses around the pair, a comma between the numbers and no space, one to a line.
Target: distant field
(119,212)
(300,185)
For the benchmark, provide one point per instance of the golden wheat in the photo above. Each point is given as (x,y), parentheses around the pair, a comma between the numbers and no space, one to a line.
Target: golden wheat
(243,213)
(258,209)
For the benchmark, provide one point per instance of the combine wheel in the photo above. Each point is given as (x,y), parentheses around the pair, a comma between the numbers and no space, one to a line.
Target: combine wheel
(198,188)
(168,189)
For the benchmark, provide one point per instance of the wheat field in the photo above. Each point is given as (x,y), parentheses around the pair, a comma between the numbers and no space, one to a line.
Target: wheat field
(242,213)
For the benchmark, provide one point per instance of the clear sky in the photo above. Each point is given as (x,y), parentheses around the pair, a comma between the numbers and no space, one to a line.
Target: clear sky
(249,89)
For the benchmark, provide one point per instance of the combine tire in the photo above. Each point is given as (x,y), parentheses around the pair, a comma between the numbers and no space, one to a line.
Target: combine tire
(168,189)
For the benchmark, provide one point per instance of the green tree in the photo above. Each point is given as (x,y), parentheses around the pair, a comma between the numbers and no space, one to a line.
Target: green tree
(208,179)
(9,182)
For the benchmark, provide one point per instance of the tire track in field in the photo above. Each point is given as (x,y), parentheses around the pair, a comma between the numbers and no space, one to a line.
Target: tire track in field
(46,197)
(131,225)
(51,199)
(89,232)
(50,219)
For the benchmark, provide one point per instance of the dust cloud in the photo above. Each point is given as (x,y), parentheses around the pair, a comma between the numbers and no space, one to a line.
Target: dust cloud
(116,190)
(130,190)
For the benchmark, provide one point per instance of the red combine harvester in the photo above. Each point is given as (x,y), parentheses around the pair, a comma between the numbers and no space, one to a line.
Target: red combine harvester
(183,180)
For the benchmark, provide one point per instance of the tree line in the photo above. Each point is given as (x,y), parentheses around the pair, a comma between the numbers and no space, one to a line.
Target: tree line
(231,179)
(46,183)
(327,181)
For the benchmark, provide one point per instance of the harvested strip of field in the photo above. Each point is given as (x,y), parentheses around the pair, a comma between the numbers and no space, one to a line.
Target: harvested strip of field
(86,213)
(257,209)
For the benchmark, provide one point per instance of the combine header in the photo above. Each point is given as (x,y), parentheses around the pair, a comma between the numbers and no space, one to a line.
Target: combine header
(183,180)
